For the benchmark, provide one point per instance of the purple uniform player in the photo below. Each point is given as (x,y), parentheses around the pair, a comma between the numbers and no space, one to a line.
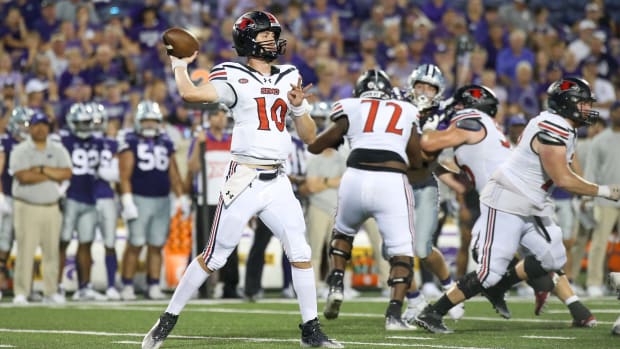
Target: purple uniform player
(79,209)
(148,172)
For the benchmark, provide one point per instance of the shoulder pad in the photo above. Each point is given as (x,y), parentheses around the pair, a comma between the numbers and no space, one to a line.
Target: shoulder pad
(337,111)
(469,124)
(549,138)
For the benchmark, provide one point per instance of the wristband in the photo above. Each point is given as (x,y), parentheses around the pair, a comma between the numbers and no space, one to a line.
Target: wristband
(127,199)
(325,179)
(301,109)
(604,191)
(176,63)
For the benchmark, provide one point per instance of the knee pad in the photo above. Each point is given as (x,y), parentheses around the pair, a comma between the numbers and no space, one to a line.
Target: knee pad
(533,268)
(542,283)
(401,270)
(335,250)
(469,284)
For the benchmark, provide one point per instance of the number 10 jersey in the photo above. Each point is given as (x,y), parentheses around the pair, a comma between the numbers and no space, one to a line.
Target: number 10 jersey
(259,106)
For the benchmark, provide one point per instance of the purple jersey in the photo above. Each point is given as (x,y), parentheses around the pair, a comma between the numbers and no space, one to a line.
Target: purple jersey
(6,146)
(103,189)
(152,159)
(85,160)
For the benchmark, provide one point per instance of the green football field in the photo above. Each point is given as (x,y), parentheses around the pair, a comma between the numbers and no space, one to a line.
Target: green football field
(272,323)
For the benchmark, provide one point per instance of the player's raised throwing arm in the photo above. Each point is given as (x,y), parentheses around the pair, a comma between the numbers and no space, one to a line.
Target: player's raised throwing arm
(188,91)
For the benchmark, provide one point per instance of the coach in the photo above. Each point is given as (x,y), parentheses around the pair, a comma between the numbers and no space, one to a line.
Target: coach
(39,166)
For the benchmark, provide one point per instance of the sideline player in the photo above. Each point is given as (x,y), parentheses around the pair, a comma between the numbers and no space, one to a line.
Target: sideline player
(382,132)
(79,209)
(106,205)
(17,131)
(515,203)
(261,95)
(148,172)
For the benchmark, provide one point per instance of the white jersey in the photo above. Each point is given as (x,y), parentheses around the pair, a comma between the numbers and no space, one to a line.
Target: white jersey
(377,124)
(259,106)
(521,186)
(480,160)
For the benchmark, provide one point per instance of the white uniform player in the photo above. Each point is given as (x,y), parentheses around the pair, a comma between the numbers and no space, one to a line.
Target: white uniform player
(260,96)
(382,133)
(515,203)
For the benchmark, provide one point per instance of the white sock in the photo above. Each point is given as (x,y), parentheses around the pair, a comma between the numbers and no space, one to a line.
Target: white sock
(570,300)
(192,279)
(303,282)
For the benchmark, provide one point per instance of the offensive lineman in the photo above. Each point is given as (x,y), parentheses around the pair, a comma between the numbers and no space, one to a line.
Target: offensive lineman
(148,172)
(515,204)
(382,132)
(261,96)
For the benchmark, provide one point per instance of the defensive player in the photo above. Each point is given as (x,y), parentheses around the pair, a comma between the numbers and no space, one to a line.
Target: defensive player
(515,203)
(382,132)
(148,172)
(261,96)
(17,131)
(79,208)
(107,173)
(425,91)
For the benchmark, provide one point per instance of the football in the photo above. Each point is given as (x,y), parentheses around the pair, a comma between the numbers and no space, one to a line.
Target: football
(180,42)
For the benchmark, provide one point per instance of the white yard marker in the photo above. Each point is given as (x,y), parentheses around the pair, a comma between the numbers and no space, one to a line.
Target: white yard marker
(547,337)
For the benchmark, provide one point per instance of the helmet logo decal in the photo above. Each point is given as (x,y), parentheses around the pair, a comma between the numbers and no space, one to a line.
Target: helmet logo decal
(476,93)
(567,85)
(245,23)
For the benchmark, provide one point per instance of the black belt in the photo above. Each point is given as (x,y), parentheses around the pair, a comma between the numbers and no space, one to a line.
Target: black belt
(267,176)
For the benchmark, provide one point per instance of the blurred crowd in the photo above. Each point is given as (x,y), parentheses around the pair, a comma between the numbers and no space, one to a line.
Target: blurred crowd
(56,53)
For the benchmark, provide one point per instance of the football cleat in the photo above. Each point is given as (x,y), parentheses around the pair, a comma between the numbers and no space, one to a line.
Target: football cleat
(154,292)
(498,302)
(335,296)
(128,293)
(414,307)
(312,336)
(541,299)
(160,331)
(582,317)
(393,323)
(432,321)
(615,330)
(587,323)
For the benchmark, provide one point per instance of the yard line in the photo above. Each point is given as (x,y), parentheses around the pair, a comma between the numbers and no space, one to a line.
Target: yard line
(410,337)
(547,337)
(241,339)
(594,311)
(126,342)
(6,346)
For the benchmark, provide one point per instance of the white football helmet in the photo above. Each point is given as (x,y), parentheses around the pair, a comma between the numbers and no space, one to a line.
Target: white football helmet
(432,75)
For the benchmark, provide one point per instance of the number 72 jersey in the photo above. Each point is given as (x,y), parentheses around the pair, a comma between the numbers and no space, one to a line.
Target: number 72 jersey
(150,176)
(381,124)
